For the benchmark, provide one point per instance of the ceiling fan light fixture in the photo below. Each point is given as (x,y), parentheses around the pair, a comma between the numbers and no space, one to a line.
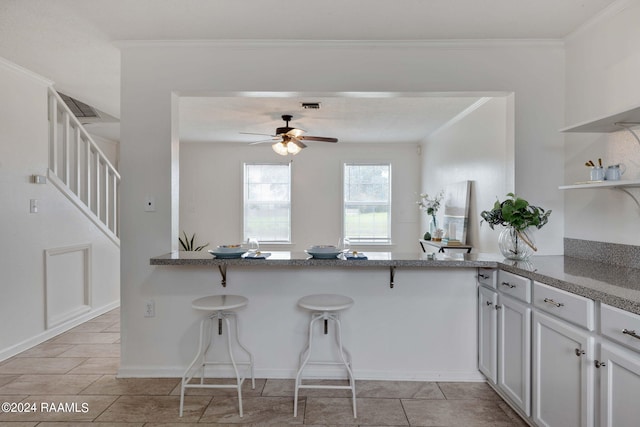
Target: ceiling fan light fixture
(293,148)
(280,148)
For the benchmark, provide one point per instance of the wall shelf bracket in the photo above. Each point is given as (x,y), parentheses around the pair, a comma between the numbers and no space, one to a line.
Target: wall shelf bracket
(223,274)
(628,126)
(624,190)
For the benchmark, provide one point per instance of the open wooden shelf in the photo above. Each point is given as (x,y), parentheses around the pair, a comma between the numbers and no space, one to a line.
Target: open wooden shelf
(602,184)
(608,123)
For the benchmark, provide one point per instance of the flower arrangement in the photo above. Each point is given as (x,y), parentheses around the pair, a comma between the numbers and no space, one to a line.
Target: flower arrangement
(431,205)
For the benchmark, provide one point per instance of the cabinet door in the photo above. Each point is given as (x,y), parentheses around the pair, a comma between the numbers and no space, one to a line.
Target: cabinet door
(514,351)
(562,374)
(619,387)
(487,333)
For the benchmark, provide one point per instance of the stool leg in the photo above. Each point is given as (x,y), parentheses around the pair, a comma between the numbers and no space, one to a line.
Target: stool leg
(185,377)
(233,362)
(253,379)
(314,318)
(347,365)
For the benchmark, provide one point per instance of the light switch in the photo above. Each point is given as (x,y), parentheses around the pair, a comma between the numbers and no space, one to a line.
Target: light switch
(33,206)
(149,204)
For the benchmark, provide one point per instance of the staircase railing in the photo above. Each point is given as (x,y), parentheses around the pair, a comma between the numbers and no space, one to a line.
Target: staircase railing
(81,170)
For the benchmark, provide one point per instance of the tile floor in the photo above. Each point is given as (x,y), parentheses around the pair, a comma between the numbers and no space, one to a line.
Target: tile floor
(78,369)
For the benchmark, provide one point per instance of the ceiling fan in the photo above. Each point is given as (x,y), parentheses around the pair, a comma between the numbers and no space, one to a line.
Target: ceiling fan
(288,140)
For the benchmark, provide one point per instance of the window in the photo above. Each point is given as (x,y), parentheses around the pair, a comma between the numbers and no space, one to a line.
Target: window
(367,203)
(267,202)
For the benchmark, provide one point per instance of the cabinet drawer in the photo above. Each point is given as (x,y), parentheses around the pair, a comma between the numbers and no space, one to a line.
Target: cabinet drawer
(487,277)
(570,307)
(514,285)
(620,326)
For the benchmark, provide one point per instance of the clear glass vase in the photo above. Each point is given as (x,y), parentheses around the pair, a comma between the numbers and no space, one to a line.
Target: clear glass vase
(433,226)
(516,244)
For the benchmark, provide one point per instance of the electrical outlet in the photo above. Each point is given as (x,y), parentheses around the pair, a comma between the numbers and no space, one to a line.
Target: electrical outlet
(149,308)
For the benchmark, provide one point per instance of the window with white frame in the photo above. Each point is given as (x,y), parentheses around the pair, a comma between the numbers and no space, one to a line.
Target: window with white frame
(267,202)
(367,203)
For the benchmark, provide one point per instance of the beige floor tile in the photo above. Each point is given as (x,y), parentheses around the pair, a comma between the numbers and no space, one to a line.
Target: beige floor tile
(285,388)
(46,349)
(399,389)
(93,350)
(6,379)
(61,408)
(114,327)
(456,413)
(454,391)
(154,409)
(17,424)
(384,412)
(92,327)
(48,384)
(109,385)
(517,421)
(40,365)
(89,424)
(257,410)
(247,391)
(87,338)
(98,365)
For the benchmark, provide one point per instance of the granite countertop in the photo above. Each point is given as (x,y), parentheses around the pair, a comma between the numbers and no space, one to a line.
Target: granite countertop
(614,285)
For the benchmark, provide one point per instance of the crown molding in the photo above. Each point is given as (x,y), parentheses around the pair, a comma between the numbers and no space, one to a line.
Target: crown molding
(606,13)
(275,43)
(12,66)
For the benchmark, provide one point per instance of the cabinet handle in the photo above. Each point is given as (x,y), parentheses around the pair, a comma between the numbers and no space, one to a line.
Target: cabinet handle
(489,303)
(508,285)
(579,352)
(483,276)
(552,302)
(498,307)
(631,333)
(599,364)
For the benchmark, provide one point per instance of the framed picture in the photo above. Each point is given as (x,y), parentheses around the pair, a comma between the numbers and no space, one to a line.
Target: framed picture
(456,210)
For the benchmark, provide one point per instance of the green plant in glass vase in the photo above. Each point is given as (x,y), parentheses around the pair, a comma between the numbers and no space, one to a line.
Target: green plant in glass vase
(519,218)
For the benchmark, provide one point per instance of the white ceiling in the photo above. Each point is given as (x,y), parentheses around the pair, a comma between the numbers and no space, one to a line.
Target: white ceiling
(72,42)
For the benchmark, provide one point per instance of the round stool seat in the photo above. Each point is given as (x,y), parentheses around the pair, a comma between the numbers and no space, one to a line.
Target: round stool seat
(219,302)
(325,302)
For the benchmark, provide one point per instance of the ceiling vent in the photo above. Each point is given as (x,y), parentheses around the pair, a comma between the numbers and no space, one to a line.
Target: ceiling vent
(85,113)
(310,105)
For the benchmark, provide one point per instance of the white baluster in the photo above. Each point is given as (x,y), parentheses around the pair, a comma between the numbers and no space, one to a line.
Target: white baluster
(53,134)
(65,147)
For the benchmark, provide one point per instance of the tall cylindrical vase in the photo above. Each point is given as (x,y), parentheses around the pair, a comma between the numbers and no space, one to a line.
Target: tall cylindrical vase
(433,225)
(516,244)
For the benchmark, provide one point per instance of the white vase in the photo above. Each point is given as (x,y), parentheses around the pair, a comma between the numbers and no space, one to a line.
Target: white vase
(516,244)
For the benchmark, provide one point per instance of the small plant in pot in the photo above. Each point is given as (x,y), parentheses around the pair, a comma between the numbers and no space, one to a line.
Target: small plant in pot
(519,219)
(188,244)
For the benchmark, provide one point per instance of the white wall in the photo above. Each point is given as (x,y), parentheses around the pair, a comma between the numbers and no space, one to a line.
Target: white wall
(211,191)
(603,67)
(152,73)
(477,147)
(25,236)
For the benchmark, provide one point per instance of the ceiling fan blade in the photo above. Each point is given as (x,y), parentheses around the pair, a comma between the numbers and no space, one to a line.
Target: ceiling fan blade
(318,138)
(252,133)
(262,141)
(295,132)
(298,142)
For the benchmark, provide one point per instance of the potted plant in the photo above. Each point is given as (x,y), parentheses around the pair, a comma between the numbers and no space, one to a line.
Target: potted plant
(431,205)
(188,243)
(519,219)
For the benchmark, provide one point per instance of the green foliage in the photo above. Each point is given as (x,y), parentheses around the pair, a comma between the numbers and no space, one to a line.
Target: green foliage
(515,212)
(188,243)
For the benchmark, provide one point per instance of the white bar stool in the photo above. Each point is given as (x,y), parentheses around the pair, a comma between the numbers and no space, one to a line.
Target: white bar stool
(325,307)
(218,307)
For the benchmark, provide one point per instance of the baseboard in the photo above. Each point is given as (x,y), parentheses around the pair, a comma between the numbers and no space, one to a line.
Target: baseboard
(57,330)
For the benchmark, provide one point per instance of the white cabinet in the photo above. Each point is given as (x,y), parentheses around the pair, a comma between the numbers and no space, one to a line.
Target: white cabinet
(563,374)
(619,386)
(504,335)
(514,351)
(488,333)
